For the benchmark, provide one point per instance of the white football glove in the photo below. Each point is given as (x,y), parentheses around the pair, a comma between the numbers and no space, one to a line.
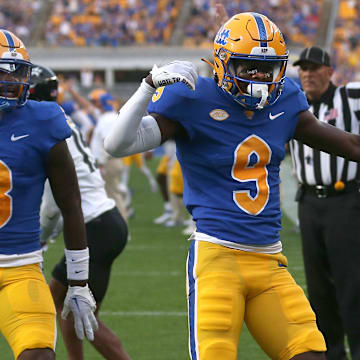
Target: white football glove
(174,72)
(80,301)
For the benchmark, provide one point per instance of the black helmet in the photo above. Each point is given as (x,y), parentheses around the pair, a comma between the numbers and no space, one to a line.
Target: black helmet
(43,84)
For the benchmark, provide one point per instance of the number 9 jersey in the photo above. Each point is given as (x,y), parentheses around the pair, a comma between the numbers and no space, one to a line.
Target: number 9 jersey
(231,160)
(27,134)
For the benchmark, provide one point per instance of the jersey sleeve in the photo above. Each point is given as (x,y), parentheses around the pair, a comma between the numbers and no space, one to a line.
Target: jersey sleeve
(55,127)
(296,96)
(173,102)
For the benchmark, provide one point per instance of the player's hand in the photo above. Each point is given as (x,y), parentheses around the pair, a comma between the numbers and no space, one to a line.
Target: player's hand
(80,301)
(174,72)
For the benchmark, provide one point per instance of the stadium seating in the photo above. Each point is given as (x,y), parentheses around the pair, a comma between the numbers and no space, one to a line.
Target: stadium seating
(18,16)
(111,23)
(116,23)
(346,45)
(298,19)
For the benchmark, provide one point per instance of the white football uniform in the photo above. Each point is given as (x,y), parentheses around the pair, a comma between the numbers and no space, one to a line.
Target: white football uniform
(112,167)
(94,200)
(104,123)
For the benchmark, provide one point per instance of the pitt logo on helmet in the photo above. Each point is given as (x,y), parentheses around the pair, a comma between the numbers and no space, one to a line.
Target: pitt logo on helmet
(250,59)
(15,69)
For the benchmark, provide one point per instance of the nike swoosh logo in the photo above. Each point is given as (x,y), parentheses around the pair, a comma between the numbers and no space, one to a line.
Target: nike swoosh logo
(16,138)
(273,117)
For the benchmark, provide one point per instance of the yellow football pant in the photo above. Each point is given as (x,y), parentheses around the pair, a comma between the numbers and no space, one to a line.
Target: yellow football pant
(27,316)
(176,183)
(163,165)
(136,158)
(227,287)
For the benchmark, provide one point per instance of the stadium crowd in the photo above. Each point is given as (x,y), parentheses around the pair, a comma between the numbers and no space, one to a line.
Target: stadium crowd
(346,45)
(298,19)
(111,23)
(18,16)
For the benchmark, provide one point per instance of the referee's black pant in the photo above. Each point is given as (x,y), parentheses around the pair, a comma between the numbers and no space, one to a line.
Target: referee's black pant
(330,232)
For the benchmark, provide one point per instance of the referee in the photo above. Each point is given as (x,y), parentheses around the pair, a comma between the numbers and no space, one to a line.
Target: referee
(329,209)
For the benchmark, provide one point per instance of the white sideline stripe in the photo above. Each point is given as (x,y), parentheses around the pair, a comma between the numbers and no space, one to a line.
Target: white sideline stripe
(143,313)
(149,273)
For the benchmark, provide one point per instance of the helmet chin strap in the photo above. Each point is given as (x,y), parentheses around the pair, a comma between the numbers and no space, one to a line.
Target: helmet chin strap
(259,90)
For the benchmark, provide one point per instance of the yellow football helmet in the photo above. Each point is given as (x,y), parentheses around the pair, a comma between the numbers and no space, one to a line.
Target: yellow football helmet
(246,45)
(102,99)
(15,70)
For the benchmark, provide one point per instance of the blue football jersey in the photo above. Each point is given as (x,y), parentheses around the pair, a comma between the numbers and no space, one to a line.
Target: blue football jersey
(231,158)
(26,136)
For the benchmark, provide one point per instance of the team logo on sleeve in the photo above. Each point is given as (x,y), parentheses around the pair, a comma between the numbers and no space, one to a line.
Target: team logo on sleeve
(219,114)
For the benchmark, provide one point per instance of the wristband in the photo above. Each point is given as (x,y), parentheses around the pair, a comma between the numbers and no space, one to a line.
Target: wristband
(77,264)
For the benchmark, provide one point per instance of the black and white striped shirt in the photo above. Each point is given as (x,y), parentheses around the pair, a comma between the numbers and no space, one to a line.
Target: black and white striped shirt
(340,107)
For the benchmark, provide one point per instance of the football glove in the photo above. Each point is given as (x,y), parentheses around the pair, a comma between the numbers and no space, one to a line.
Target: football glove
(174,72)
(80,301)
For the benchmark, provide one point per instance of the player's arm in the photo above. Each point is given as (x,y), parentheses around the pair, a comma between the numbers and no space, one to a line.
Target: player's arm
(64,185)
(65,188)
(84,103)
(328,138)
(49,214)
(133,132)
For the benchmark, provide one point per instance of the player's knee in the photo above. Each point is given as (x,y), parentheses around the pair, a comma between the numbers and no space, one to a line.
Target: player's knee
(37,354)
(215,310)
(219,349)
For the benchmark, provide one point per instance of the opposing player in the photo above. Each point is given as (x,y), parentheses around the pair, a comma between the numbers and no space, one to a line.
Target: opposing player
(230,133)
(33,148)
(105,228)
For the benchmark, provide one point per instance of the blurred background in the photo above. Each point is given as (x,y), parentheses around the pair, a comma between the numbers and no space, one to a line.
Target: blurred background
(114,43)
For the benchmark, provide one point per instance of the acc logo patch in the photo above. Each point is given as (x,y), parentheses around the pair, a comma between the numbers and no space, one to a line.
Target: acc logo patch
(219,114)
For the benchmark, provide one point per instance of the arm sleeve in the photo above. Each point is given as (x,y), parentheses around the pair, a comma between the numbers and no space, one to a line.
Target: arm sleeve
(133,132)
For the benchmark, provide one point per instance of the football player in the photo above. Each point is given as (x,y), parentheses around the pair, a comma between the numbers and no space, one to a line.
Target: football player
(230,134)
(32,149)
(111,168)
(162,179)
(101,217)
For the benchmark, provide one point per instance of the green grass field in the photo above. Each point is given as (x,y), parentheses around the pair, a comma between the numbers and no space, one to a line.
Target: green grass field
(145,304)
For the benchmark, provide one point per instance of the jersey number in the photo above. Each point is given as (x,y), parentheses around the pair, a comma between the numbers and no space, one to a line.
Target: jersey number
(5,199)
(242,171)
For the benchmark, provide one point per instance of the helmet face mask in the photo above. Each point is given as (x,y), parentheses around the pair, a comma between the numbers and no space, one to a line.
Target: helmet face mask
(250,59)
(15,69)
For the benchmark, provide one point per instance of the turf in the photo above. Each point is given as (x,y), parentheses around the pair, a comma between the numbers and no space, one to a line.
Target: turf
(145,304)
